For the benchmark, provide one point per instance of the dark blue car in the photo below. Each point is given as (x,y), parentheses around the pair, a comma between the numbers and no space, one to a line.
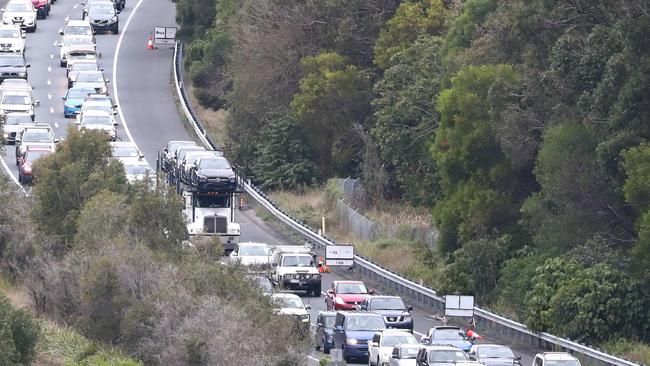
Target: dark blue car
(396,314)
(73,100)
(353,330)
(325,330)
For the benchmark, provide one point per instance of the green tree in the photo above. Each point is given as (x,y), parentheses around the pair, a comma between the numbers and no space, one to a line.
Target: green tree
(412,19)
(636,162)
(333,100)
(19,333)
(476,178)
(80,168)
(282,161)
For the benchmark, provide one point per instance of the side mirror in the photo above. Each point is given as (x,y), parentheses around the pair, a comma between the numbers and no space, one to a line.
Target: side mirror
(115,124)
(107,81)
(274,264)
(307,306)
(234,254)
(63,98)
(37,103)
(60,44)
(518,358)
(56,141)
(61,32)
(330,292)
(371,292)
(409,308)
(77,122)
(141,156)
(101,68)
(319,324)
(425,341)
(117,12)
(28,65)
(2,10)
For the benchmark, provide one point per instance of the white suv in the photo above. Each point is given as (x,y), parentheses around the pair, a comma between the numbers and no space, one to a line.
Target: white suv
(12,39)
(555,359)
(380,348)
(21,13)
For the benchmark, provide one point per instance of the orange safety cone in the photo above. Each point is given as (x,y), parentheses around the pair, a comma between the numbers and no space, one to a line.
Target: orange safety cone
(150,43)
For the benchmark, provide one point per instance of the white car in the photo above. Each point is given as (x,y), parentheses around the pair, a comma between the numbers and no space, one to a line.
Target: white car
(39,136)
(250,254)
(126,151)
(404,355)
(78,28)
(98,121)
(73,71)
(13,123)
(138,171)
(12,39)
(21,13)
(555,359)
(291,305)
(73,43)
(17,102)
(92,80)
(380,348)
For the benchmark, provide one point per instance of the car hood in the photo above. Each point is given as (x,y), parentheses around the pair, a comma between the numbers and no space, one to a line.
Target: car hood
(95,17)
(91,126)
(464,345)
(16,107)
(352,297)
(74,102)
(362,335)
(47,145)
(17,13)
(391,312)
(89,84)
(11,40)
(289,311)
(407,362)
(13,68)
(498,361)
(252,259)
(222,173)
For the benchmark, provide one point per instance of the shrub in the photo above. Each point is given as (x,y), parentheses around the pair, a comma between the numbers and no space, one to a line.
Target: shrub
(19,333)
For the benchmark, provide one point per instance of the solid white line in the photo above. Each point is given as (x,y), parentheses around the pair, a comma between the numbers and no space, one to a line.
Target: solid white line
(115,59)
(11,174)
(313,358)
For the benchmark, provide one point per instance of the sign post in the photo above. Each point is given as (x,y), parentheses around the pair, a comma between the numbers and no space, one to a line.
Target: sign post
(164,35)
(339,255)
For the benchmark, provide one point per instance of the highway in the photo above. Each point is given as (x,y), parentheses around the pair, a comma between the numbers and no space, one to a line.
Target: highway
(141,85)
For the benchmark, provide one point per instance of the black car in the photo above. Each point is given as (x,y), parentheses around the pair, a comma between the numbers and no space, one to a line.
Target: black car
(214,174)
(13,66)
(392,308)
(325,330)
(103,17)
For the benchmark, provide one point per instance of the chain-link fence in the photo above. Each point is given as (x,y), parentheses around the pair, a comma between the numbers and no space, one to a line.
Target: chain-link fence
(368,230)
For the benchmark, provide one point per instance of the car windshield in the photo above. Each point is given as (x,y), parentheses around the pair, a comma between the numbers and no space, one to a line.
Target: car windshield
(561,363)
(214,164)
(14,120)
(18,7)
(81,55)
(90,77)
(448,334)
(101,9)
(447,356)
(289,302)
(365,323)
(394,340)
(32,155)
(387,304)
(298,261)
(9,33)
(69,41)
(33,135)
(126,152)
(409,353)
(79,93)
(16,99)
(253,250)
(212,201)
(97,120)
(7,60)
(495,352)
(79,30)
(351,288)
(136,169)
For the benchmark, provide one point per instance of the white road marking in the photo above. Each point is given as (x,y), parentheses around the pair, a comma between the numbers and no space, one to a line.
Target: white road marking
(67,17)
(51,55)
(11,174)
(56,124)
(55,43)
(313,358)
(49,69)
(49,82)
(49,95)
(115,59)
(75,6)
(52,110)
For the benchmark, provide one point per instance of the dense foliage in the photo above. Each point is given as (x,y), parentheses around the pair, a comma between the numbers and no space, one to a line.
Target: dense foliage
(19,333)
(522,124)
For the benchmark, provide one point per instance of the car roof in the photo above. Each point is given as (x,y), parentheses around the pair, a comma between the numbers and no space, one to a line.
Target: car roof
(122,143)
(560,356)
(253,244)
(442,348)
(97,112)
(442,327)
(77,22)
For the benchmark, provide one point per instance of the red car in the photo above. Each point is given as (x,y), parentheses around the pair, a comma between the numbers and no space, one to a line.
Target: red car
(42,8)
(346,295)
(25,168)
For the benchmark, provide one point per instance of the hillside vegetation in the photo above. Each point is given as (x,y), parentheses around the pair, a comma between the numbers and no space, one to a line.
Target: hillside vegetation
(106,259)
(522,125)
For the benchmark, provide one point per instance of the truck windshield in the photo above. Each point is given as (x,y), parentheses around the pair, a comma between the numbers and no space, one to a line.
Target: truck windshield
(211,201)
(298,261)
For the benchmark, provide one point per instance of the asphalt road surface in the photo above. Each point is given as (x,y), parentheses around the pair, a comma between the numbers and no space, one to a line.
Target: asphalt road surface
(141,85)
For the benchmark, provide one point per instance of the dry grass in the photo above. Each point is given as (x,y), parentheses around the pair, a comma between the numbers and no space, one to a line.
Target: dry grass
(214,121)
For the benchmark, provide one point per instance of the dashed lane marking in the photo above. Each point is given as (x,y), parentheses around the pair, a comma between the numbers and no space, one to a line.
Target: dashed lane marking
(52,110)
(56,124)
(75,6)
(51,56)
(49,95)
(67,17)
(49,82)
(49,69)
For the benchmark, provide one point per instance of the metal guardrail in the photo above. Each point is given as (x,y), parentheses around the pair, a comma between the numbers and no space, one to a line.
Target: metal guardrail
(515,331)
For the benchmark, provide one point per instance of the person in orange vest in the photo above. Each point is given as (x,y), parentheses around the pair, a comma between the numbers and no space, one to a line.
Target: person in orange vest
(322,268)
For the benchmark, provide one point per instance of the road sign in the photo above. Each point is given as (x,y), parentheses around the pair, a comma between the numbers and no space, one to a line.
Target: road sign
(164,35)
(459,305)
(339,255)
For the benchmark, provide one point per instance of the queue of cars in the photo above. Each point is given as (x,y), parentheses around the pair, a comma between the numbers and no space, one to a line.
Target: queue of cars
(87,98)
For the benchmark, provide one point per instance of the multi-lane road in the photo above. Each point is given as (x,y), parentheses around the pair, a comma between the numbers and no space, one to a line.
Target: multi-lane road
(141,85)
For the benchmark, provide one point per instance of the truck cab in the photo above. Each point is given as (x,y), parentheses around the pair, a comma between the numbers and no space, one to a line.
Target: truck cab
(212,214)
(294,268)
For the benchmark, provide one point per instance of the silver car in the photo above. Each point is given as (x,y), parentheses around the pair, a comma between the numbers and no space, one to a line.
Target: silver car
(404,355)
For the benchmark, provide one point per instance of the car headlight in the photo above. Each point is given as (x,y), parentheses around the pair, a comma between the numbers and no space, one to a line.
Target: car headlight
(304,317)
(339,300)
(351,341)
(22,74)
